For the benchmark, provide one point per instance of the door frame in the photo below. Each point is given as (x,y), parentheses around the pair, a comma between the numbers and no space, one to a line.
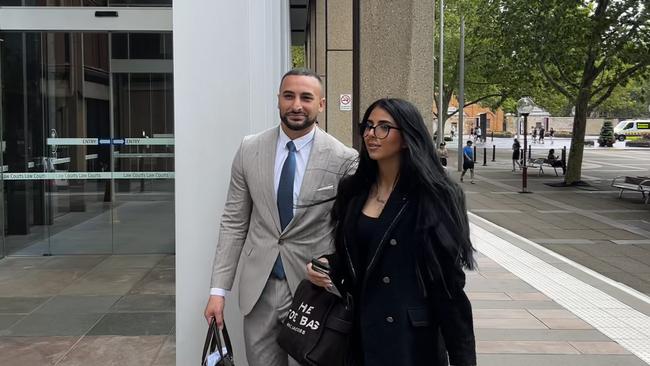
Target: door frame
(85,19)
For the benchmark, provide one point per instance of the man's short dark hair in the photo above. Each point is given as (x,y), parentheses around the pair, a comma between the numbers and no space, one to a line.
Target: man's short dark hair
(302,71)
(469,142)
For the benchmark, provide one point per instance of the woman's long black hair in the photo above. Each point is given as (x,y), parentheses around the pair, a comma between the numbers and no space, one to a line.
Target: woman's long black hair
(440,200)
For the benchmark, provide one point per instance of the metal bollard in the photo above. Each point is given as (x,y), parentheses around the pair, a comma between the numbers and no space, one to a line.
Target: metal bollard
(474,153)
(564,155)
(492,138)
(529,150)
(494,152)
(485,156)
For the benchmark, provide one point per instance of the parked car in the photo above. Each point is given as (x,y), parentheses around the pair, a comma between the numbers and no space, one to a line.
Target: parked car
(632,127)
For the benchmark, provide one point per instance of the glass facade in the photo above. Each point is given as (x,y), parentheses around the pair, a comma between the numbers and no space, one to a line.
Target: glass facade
(131,3)
(2,195)
(87,135)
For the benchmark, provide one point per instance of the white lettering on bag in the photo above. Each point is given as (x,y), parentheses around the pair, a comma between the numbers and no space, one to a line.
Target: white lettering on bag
(299,318)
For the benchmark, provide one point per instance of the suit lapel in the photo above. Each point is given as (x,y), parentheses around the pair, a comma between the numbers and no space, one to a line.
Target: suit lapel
(266,163)
(390,216)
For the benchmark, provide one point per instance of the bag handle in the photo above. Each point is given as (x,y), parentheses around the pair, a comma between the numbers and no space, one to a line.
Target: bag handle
(208,344)
(226,339)
(213,341)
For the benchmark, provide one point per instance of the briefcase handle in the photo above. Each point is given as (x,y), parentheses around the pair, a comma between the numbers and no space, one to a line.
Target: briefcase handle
(213,340)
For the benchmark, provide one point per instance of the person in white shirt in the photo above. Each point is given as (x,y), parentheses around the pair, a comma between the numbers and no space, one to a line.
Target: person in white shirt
(270,227)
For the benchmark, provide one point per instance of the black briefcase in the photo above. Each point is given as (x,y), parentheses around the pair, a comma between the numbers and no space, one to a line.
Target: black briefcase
(213,347)
(317,329)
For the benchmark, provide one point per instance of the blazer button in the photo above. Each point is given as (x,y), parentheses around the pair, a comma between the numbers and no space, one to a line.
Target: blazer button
(280,241)
(386,280)
(393,242)
(390,319)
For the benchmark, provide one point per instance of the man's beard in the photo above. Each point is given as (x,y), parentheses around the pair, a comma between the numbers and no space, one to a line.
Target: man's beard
(297,126)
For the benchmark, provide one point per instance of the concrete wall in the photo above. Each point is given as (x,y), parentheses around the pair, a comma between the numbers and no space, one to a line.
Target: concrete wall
(339,67)
(228,60)
(396,56)
(565,124)
(397,52)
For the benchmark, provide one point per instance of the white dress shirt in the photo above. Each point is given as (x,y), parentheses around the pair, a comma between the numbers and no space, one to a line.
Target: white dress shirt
(303,149)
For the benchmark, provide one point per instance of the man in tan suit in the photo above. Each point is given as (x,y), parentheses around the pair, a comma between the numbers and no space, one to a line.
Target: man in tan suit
(271,227)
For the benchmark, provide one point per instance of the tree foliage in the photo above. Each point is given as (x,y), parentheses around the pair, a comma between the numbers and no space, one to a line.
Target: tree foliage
(606,137)
(298,56)
(583,49)
(493,77)
(483,82)
(629,101)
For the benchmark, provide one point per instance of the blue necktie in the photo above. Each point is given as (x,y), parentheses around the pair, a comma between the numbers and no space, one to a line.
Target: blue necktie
(285,200)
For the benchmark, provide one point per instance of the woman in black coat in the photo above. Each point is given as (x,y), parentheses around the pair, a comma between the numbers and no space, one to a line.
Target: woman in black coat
(516,149)
(402,240)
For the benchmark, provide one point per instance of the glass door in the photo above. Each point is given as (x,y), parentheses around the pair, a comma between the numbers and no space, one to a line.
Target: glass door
(56,107)
(25,196)
(80,92)
(88,163)
(143,155)
(2,150)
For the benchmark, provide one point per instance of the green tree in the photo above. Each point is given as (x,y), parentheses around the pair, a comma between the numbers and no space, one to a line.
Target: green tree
(584,49)
(484,83)
(298,56)
(606,135)
(493,78)
(629,101)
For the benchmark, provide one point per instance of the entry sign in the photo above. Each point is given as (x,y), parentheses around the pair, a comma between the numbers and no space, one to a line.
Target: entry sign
(345,102)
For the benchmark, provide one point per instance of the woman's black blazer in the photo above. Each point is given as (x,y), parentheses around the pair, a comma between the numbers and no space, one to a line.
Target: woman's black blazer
(411,308)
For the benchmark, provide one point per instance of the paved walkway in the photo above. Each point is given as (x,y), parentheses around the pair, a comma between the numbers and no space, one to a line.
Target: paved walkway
(87,310)
(533,307)
(530,308)
(589,225)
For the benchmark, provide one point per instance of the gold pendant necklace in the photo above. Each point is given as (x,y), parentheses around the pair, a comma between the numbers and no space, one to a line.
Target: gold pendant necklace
(376,191)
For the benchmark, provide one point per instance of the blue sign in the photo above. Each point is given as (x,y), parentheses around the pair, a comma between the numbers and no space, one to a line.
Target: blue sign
(104,141)
(118,141)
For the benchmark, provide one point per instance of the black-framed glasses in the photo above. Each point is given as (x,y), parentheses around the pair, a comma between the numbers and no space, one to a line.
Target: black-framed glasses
(380,131)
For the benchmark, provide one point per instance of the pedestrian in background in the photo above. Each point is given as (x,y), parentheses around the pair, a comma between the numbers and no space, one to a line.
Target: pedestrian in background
(468,161)
(551,133)
(555,162)
(443,154)
(516,152)
(542,131)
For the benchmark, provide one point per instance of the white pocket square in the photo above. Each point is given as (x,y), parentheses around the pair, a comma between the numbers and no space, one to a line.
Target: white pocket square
(325,188)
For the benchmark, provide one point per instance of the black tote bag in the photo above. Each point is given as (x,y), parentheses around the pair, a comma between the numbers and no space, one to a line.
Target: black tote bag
(213,342)
(317,329)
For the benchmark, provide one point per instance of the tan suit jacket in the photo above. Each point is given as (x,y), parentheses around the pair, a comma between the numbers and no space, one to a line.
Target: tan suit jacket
(250,234)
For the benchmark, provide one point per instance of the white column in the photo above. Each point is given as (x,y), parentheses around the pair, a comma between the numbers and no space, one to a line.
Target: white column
(228,60)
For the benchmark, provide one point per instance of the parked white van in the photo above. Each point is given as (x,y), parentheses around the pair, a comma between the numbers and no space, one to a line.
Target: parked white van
(631,127)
